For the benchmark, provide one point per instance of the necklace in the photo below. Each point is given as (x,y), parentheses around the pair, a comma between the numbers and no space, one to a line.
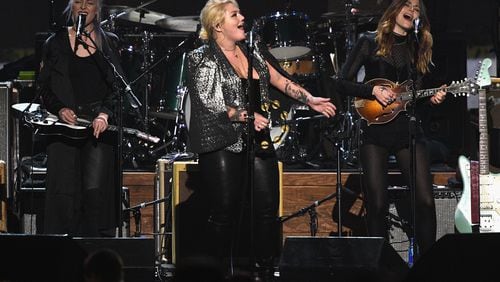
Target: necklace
(234,51)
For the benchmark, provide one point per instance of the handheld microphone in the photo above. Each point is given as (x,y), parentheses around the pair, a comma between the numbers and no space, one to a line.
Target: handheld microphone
(80,25)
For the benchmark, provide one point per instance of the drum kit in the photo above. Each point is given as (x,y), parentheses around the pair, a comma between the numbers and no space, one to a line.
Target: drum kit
(153,55)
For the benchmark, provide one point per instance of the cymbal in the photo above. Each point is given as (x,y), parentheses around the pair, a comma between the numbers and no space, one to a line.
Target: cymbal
(143,16)
(164,115)
(356,14)
(183,23)
(338,23)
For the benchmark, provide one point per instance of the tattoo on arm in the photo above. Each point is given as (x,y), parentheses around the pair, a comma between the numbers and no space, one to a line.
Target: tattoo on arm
(294,91)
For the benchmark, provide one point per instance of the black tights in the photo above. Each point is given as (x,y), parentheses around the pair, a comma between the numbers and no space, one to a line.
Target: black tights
(375,169)
(224,174)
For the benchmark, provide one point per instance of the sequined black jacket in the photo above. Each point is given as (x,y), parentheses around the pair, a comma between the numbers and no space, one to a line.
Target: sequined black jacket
(212,85)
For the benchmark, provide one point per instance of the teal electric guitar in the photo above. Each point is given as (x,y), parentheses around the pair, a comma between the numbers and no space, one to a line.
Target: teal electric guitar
(479,205)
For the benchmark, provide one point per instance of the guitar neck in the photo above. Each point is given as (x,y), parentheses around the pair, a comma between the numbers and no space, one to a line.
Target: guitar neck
(111,127)
(127,130)
(408,95)
(483,135)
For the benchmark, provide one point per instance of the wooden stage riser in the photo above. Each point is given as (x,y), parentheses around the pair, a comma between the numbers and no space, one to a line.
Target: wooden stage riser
(300,190)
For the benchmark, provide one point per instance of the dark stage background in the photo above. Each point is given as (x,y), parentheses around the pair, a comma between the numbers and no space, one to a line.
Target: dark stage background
(457,26)
(475,21)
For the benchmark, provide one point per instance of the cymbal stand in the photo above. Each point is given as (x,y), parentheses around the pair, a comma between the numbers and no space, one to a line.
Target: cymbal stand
(148,57)
(338,138)
(348,148)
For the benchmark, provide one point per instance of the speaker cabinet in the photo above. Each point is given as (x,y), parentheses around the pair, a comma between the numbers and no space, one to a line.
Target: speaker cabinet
(459,257)
(3,200)
(137,254)
(60,258)
(340,259)
(446,200)
(186,217)
(7,133)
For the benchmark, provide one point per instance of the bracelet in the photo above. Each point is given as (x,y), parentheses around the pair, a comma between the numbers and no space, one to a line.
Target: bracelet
(103,119)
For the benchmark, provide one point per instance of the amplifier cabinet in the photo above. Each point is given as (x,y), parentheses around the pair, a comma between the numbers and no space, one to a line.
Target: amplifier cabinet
(3,200)
(7,133)
(446,200)
(181,215)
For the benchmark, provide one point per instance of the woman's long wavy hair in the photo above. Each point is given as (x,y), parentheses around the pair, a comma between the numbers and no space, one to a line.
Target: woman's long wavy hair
(211,15)
(385,38)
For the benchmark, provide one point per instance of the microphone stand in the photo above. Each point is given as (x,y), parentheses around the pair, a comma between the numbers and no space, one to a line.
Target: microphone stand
(311,210)
(413,251)
(252,108)
(135,104)
(136,211)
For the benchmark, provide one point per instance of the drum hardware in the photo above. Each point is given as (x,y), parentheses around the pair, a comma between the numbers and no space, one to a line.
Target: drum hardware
(348,131)
(163,115)
(337,26)
(148,66)
(140,153)
(289,150)
(177,145)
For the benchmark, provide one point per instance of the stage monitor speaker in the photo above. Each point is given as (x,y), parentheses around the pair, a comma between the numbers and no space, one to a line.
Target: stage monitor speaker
(61,258)
(340,259)
(40,258)
(137,254)
(187,215)
(457,258)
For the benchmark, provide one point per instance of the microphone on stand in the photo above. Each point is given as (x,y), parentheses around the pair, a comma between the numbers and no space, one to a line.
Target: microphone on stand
(416,26)
(250,34)
(80,29)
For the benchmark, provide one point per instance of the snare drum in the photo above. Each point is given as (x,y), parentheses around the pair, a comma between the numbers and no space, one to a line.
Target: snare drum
(286,34)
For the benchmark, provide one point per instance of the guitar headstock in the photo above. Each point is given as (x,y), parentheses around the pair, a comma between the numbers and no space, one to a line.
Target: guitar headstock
(482,75)
(463,87)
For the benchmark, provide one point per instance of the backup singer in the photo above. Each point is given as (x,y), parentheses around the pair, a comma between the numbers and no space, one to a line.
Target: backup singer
(389,54)
(78,83)
(217,87)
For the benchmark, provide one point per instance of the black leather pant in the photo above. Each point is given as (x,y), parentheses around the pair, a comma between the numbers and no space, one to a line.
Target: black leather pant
(80,198)
(224,174)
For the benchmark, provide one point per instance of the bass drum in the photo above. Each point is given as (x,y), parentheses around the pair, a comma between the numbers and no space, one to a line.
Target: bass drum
(286,34)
